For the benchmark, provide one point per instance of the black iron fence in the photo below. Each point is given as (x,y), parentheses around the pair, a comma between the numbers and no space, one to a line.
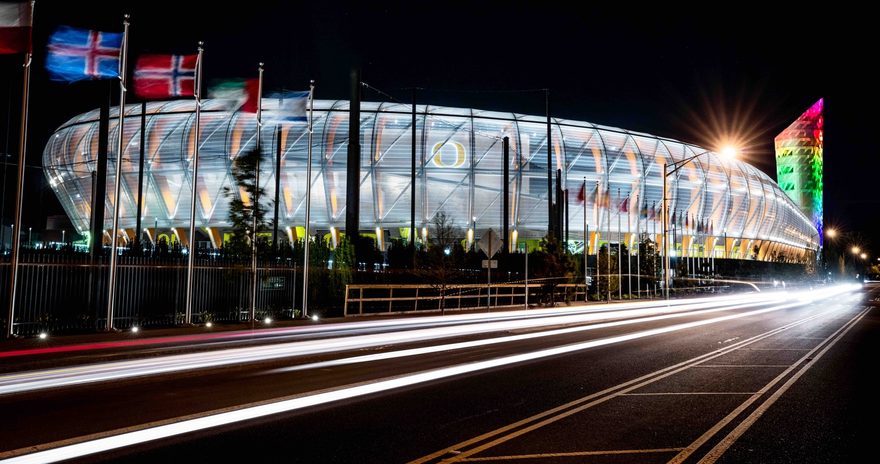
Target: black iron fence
(68,292)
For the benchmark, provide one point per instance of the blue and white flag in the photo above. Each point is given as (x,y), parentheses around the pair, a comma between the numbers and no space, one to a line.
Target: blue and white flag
(80,54)
(288,106)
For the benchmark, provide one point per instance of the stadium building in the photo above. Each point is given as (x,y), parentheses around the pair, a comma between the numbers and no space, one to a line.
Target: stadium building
(718,207)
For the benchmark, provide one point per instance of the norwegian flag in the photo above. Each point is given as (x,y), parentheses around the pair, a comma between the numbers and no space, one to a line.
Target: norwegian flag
(165,76)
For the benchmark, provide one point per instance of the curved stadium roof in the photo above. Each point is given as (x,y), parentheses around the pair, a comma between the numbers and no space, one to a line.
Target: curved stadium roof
(459,172)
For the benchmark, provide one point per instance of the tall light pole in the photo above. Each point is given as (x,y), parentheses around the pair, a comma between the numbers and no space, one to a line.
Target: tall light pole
(668,170)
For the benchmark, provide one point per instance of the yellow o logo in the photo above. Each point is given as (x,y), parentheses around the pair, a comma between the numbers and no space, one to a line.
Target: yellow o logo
(437,153)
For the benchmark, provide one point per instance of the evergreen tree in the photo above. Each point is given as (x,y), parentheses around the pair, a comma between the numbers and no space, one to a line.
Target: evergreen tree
(243,216)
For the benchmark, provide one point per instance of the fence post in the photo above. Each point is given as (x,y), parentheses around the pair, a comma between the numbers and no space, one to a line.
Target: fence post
(344,304)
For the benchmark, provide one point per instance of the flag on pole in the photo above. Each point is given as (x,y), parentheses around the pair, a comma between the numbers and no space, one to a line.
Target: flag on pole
(652,214)
(289,106)
(15,27)
(582,194)
(165,76)
(80,54)
(240,93)
(624,205)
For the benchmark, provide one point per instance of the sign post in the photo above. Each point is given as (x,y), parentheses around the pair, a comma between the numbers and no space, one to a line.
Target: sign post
(490,244)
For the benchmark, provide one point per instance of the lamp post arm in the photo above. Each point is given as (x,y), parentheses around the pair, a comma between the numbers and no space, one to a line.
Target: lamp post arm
(680,163)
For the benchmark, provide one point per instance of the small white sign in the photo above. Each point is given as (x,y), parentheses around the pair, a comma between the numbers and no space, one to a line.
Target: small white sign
(486,263)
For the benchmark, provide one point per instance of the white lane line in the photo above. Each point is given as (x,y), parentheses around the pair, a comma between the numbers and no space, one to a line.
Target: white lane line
(690,449)
(85,446)
(780,349)
(746,366)
(550,416)
(686,393)
(721,447)
(572,454)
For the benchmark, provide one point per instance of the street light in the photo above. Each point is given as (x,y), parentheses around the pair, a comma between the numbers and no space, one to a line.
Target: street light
(726,152)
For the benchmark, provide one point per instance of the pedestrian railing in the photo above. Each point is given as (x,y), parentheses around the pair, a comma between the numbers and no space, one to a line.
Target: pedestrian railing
(401,299)
(69,292)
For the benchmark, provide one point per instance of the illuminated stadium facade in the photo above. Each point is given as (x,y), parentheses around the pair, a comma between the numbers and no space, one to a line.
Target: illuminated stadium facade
(721,208)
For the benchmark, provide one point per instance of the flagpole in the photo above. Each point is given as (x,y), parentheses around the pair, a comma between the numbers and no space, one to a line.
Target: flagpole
(607,201)
(197,92)
(22,153)
(639,248)
(619,257)
(114,241)
(305,296)
(629,275)
(255,201)
(598,223)
(586,245)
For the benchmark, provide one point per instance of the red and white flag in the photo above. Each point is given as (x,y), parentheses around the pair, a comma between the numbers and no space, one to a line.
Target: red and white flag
(15,27)
(165,76)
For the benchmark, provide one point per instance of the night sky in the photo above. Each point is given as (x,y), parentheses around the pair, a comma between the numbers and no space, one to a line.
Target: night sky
(684,73)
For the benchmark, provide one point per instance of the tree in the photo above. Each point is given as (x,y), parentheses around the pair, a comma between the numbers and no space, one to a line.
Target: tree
(608,281)
(650,261)
(440,264)
(553,264)
(244,216)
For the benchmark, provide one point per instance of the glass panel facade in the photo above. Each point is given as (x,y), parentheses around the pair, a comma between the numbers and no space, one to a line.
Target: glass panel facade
(459,163)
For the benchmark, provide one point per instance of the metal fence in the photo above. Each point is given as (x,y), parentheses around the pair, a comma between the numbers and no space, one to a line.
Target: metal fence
(69,292)
(390,299)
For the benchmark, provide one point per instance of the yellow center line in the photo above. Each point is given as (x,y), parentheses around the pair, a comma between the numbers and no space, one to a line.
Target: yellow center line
(516,429)
(686,393)
(573,454)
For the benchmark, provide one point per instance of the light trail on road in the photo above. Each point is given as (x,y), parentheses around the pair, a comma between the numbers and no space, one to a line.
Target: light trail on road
(76,448)
(352,328)
(101,372)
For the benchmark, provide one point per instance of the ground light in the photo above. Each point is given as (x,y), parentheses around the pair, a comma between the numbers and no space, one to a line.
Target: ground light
(315,317)
(135,329)
(209,324)
(43,335)
(267,320)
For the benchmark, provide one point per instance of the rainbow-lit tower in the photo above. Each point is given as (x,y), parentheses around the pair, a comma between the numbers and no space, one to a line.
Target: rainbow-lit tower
(799,163)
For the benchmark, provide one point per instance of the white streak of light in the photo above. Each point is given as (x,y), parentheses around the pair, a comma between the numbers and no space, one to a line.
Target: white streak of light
(63,377)
(248,413)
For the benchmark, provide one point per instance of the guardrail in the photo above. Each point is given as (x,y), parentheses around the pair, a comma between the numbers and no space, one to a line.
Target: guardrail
(401,299)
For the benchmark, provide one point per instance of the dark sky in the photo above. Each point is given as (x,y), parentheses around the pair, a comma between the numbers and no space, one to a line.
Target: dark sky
(682,72)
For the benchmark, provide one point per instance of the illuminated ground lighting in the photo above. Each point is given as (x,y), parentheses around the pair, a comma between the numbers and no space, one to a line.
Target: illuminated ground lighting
(314,317)
(135,329)
(43,335)
(125,439)
(209,324)
(267,320)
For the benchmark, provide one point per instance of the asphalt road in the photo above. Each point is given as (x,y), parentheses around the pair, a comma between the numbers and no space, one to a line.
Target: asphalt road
(786,380)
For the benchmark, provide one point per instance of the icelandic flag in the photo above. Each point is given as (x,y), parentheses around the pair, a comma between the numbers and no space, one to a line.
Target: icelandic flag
(165,76)
(80,54)
(291,106)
